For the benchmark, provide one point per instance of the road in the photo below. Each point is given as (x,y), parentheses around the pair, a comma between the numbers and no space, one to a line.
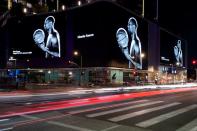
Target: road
(165,111)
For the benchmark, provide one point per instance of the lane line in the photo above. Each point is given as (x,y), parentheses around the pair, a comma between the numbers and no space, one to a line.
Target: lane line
(32,121)
(165,116)
(111,128)
(60,124)
(28,103)
(194,129)
(191,126)
(69,126)
(2,120)
(106,106)
(122,109)
(142,112)
(6,129)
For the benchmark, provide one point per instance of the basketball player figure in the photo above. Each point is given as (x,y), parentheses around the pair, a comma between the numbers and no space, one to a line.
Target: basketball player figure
(53,38)
(123,39)
(52,45)
(178,53)
(135,47)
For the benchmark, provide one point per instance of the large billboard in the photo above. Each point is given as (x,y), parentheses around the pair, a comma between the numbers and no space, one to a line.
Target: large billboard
(172,49)
(103,37)
(38,39)
(115,37)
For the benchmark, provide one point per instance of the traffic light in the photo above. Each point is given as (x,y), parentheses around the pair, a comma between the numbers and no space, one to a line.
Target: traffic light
(135,73)
(194,62)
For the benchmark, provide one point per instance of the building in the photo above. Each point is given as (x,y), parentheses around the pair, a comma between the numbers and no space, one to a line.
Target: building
(149,57)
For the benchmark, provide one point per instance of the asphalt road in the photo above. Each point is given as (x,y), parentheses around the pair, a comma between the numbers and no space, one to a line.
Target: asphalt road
(165,112)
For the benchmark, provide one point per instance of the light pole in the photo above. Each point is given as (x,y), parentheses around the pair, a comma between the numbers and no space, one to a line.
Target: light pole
(13,59)
(49,73)
(142,56)
(143,8)
(76,53)
(57,4)
(173,73)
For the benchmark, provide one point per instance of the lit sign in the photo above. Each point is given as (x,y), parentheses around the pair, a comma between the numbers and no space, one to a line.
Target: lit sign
(165,59)
(85,36)
(172,49)
(17,52)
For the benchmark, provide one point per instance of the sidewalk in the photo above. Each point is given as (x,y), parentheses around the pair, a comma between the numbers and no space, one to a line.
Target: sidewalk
(82,90)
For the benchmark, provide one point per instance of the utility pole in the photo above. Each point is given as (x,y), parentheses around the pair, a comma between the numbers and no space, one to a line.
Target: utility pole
(57,5)
(143,8)
(157,10)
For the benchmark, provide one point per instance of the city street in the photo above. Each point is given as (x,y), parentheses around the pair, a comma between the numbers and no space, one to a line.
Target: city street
(98,65)
(166,110)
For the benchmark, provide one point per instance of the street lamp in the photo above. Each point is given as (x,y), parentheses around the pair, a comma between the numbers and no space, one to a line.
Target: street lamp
(79,3)
(76,53)
(63,7)
(142,55)
(25,10)
(49,73)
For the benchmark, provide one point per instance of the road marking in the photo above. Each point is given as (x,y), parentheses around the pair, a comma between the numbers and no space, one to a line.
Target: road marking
(166,116)
(142,112)
(2,120)
(122,109)
(6,129)
(105,107)
(30,117)
(111,128)
(192,126)
(28,103)
(59,124)
(69,126)
(194,129)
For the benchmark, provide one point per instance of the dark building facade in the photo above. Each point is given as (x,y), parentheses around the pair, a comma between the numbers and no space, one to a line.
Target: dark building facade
(92,30)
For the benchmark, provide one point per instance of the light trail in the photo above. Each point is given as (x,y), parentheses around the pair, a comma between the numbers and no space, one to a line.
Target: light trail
(51,106)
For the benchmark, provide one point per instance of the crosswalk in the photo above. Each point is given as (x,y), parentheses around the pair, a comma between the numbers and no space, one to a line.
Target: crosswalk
(166,116)
(138,113)
(192,126)
(152,113)
(122,109)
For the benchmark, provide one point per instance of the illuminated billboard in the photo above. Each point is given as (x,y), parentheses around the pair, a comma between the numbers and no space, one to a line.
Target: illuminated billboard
(134,54)
(50,45)
(49,40)
(40,39)
(107,38)
(172,49)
